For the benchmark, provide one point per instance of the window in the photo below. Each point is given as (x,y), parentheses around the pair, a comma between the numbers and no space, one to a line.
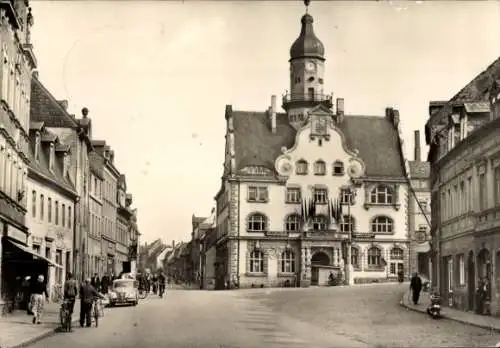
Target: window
(257,222)
(482,192)
(382,195)
(36,248)
(63,215)
(354,257)
(320,168)
(42,207)
(374,257)
(338,168)
(57,213)
(396,268)
(49,209)
(346,196)
(301,167)
(397,254)
(382,224)
(287,262)
(257,194)
(256,261)
(59,261)
(347,224)
(450,273)
(320,196)
(469,193)
(319,223)
(70,217)
(461,269)
(496,186)
(461,198)
(33,203)
(293,195)
(292,223)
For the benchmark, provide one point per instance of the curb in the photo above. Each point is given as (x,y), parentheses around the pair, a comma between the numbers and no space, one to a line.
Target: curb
(444,316)
(42,336)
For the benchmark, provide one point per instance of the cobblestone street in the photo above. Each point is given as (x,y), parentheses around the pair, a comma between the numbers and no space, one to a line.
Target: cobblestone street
(360,316)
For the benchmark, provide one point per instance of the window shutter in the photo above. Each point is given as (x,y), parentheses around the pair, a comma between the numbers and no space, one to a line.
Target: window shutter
(266,262)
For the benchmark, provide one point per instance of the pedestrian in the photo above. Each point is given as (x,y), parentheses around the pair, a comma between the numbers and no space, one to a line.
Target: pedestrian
(87,295)
(105,283)
(26,290)
(70,293)
(415,287)
(95,282)
(39,295)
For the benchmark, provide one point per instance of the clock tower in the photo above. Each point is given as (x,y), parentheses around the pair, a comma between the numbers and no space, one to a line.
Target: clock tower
(307,66)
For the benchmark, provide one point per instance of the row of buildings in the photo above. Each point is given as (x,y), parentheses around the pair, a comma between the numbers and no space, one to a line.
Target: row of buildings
(463,135)
(310,192)
(64,206)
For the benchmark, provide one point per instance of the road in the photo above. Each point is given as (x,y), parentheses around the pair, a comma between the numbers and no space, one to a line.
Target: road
(361,316)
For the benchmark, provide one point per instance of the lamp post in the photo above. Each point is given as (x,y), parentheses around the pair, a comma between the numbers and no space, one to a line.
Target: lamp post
(351,193)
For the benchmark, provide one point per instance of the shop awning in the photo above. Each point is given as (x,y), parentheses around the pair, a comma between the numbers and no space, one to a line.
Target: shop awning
(35,255)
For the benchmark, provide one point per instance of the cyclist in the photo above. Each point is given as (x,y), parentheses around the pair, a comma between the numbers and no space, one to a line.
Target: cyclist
(87,295)
(70,293)
(161,281)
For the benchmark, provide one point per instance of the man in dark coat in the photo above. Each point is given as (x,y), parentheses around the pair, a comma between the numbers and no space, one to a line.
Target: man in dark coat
(95,281)
(105,283)
(87,295)
(415,287)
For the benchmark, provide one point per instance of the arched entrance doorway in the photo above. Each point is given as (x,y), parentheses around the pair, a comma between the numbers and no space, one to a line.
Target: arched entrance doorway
(317,260)
(471,280)
(484,272)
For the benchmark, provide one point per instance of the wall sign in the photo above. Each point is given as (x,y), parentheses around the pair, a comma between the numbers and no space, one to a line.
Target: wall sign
(16,234)
(257,170)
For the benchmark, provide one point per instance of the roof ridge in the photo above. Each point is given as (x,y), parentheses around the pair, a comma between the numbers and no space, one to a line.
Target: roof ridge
(54,100)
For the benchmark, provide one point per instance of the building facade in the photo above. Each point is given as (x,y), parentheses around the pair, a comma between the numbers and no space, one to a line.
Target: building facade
(465,181)
(18,63)
(123,230)
(109,207)
(51,207)
(419,204)
(96,263)
(75,132)
(306,193)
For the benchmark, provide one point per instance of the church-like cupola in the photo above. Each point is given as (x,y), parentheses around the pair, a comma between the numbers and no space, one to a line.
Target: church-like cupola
(307,66)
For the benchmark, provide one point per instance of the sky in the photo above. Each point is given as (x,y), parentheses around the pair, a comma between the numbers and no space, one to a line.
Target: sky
(156,77)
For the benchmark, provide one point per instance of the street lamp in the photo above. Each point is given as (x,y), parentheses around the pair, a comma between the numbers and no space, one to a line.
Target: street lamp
(351,193)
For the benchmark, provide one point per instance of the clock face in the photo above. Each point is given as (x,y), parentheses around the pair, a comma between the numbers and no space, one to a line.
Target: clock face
(310,66)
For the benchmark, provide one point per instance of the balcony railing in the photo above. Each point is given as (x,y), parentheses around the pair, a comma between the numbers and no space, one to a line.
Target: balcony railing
(488,219)
(301,97)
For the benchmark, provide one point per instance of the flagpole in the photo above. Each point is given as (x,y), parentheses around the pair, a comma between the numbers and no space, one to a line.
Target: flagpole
(349,267)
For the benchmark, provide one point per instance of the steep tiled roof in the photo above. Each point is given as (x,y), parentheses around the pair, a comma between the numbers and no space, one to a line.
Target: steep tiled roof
(48,136)
(255,144)
(41,166)
(45,108)
(476,90)
(419,170)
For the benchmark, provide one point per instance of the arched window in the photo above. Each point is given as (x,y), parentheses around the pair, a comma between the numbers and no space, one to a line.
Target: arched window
(319,168)
(347,224)
(338,168)
(287,262)
(319,223)
(256,261)
(382,195)
(355,257)
(292,223)
(382,224)
(397,253)
(374,257)
(301,167)
(257,222)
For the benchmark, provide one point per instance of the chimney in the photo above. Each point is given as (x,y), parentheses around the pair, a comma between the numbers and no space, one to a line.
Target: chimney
(35,74)
(340,109)
(417,154)
(173,244)
(63,103)
(273,113)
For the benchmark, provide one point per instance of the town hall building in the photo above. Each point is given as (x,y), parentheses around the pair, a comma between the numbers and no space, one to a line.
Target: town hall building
(311,195)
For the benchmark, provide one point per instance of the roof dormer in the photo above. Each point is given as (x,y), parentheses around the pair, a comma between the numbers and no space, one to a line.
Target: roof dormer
(495,100)
(52,155)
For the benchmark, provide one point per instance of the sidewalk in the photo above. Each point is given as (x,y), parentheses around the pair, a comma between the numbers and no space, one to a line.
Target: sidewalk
(468,318)
(17,330)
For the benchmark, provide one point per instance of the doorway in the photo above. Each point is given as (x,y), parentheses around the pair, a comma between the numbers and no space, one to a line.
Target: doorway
(423,264)
(318,259)
(471,281)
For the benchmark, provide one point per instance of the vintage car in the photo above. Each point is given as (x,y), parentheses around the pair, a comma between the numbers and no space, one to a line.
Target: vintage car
(124,291)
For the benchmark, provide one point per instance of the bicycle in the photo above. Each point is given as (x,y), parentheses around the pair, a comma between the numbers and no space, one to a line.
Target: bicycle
(98,311)
(143,294)
(65,316)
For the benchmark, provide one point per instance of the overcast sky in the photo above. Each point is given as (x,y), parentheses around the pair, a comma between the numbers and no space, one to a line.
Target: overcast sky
(156,77)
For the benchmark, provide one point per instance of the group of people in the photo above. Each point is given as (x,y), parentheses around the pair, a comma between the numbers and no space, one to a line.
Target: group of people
(154,283)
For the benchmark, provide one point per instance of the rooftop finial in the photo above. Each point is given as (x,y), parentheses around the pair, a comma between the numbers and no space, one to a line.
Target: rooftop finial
(307,2)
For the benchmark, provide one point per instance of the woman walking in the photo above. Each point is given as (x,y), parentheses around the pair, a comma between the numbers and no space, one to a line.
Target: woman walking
(38,296)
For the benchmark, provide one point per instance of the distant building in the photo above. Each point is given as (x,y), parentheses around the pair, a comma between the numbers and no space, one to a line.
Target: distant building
(464,152)
(96,183)
(311,192)
(419,207)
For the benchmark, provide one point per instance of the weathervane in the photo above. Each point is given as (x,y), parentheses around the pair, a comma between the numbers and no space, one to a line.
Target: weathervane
(307,2)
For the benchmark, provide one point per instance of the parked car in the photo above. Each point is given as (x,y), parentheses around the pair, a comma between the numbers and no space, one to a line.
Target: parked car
(124,291)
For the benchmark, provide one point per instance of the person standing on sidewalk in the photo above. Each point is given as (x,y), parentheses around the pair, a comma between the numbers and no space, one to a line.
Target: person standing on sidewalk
(87,295)
(38,296)
(415,287)
(70,293)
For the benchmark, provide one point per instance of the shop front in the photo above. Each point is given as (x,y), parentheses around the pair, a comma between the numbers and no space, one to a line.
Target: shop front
(123,264)
(109,257)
